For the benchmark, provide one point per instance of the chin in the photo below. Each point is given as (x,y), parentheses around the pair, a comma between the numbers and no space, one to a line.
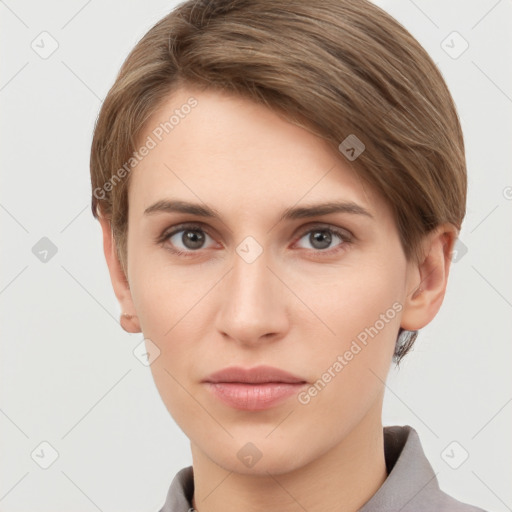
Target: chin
(258,457)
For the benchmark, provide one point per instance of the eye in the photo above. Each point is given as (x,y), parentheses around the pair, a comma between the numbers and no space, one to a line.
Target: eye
(185,239)
(321,238)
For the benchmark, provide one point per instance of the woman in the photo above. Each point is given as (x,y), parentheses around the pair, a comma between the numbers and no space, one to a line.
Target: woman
(280,186)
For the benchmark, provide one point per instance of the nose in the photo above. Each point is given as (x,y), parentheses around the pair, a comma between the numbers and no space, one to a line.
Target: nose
(254,303)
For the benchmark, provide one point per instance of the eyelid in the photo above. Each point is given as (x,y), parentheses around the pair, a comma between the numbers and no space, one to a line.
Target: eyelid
(183,226)
(325,225)
(304,228)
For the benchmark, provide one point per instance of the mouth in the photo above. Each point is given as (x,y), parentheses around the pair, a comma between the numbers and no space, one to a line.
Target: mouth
(253,389)
(256,375)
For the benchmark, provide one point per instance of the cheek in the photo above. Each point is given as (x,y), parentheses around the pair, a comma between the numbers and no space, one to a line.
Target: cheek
(160,294)
(169,311)
(351,366)
(360,319)
(172,306)
(358,300)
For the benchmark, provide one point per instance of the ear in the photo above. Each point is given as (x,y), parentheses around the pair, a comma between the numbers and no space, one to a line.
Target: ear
(427,280)
(129,320)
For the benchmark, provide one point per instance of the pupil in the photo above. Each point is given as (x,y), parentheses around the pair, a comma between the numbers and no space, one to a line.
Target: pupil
(322,237)
(195,238)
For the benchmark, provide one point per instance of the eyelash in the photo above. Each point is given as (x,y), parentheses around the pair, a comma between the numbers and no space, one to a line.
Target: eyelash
(344,236)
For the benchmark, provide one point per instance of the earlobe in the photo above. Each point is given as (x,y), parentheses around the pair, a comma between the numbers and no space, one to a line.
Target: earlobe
(130,323)
(129,320)
(427,280)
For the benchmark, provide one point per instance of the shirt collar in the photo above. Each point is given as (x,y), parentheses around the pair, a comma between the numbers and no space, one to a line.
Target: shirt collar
(410,475)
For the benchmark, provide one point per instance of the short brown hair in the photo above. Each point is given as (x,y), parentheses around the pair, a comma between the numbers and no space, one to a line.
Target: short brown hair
(337,67)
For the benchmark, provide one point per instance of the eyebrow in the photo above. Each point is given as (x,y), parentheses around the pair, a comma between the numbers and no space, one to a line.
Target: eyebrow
(292,213)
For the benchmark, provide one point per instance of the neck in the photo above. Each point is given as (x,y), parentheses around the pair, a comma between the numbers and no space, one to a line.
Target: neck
(342,479)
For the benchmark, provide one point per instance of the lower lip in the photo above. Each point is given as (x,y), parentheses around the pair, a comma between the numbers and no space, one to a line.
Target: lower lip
(253,397)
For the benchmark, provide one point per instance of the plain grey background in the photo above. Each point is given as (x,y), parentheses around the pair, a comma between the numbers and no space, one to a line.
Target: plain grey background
(69,378)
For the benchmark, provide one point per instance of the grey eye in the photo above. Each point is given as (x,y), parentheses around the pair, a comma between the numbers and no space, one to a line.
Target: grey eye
(191,239)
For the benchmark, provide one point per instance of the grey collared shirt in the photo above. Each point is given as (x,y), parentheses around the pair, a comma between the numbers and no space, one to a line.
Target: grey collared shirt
(411,485)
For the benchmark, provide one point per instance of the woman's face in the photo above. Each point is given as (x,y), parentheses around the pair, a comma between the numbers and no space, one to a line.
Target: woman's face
(261,282)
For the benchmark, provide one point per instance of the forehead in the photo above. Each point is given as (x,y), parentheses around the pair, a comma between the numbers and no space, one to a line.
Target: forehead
(219,148)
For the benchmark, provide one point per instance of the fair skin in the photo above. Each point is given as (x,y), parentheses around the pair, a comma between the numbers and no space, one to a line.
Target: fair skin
(297,306)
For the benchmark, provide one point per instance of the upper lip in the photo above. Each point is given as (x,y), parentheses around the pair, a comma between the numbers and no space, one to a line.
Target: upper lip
(256,375)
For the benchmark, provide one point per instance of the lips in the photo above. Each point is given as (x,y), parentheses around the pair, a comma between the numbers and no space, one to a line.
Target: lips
(257,375)
(253,389)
